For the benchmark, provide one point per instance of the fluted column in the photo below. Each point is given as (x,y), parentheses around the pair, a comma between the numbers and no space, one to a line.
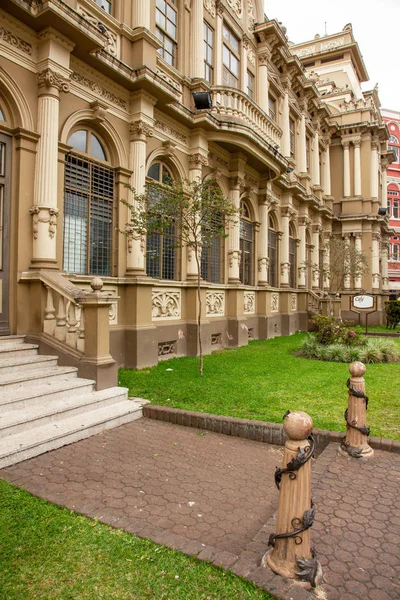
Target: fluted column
(302,253)
(327,171)
(358,249)
(302,145)
(136,245)
(315,256)
(44,210)
(384,202)
(196,38)
(315,164)
(347,265)
(263,260)
(384,262)
(141,14)
(357,167)
(376,276)
(234,235)
(263,83)
(285,143)
(284,248)
(218,45)
(374,169)
(346,169)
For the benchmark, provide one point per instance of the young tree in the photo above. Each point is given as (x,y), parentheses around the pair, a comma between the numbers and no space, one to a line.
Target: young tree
(198,210)
(345,263)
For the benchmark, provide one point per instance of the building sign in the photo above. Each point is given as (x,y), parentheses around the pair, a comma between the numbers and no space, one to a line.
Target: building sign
(363,301)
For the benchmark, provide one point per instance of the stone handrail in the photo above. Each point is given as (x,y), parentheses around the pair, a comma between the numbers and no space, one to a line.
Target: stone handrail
(233,103)
(313,303)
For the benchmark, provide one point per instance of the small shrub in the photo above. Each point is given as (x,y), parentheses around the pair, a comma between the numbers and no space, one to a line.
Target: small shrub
(330,330)
(392,308)
(370,351)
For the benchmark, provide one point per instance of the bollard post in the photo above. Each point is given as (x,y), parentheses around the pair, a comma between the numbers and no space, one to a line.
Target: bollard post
(291,555)
(355,442)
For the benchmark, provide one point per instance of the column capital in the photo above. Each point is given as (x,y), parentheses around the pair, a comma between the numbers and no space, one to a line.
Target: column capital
(346,144)
(317,228)
(358,235)
(304,221)
(376,236)
(236,182)
(197,161)
(287,211)
(47,78)
(375,144)
(357,143)
(139,130)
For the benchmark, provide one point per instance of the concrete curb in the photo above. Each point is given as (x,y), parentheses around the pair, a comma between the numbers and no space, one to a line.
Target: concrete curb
(259,431)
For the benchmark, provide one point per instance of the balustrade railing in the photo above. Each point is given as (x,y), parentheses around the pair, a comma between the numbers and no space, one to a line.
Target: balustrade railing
(230,102)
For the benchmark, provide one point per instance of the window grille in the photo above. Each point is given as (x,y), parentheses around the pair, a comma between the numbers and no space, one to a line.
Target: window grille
(246,248)
(211,256)
(273,257)
(292,262)
(88,205)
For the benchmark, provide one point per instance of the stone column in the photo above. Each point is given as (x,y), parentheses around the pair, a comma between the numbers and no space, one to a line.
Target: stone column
(374,169)
(136,245)
(384,201)
(315,161)
(357,167)
(315,256)
(346,169)
(385,267)
(302,144)
(263,261)
(355,443)
(234,235)
(376,276)
(347,266)
(284,248)
(358,248)
(302,254)
(291,547)
(218,45)
(285,143)
(196,39)
(327,170)
(263,83)
(141,14)
(44,211)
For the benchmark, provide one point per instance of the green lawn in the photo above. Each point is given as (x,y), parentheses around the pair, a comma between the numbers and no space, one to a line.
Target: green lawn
(50,553)
(263,380)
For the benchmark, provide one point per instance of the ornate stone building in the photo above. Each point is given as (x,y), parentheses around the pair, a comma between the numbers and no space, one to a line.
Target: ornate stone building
(98,95)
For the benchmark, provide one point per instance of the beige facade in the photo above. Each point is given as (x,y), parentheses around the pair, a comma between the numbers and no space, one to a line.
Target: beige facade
(94,99)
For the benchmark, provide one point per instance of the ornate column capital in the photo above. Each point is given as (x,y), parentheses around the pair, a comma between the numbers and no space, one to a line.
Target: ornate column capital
(358,235)
(237,182)
(346,144)
(317,228)
(51,79)
(304,221)
(197,161)
(140,129)
(357,143)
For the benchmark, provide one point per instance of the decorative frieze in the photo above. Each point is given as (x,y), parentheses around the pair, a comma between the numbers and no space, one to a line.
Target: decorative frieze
(274,302)
(215,304)
(166,304)
(99,90)
(15,41)
(249,303)
(168,130)
(48,78)
(218,159)
(250,15)
(172,82)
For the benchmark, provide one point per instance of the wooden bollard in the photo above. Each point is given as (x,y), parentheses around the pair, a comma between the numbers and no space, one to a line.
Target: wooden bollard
(291,554)
(355,443)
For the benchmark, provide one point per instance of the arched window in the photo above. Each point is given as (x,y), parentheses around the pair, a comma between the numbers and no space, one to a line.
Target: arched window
(393,139)
(88,206)
(292,257)
(161,254)
(2,117)
(272,254)
(246,246)
(211,253)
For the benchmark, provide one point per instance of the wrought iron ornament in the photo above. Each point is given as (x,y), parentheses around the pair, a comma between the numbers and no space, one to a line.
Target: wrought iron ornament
(351,450)
(299,525)
(363,429)
(310,569)
(357,393)
(345,445)
(303,456)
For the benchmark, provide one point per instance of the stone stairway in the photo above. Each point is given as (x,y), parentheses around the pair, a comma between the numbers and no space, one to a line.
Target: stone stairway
(44,406)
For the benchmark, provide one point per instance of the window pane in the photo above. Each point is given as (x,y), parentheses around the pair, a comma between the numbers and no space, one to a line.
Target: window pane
(226,55)
(154,171)
(160,19)
(96,149)
(1,224)
(226,33)
(2,117)
(75,232)
(166,176)
(234,42)
(100,236)
(171,14)
(234,65)
(160,35)
(171,29)
(161,5)
(78,140)
(2,159)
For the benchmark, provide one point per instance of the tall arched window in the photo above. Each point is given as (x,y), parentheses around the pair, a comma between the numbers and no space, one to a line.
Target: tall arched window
(88,206)
(246,246)
(272,254)
(161,252)
(292,257)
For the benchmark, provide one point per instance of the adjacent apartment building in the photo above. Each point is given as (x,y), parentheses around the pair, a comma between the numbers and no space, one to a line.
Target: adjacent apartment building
(96,96)
(392,119)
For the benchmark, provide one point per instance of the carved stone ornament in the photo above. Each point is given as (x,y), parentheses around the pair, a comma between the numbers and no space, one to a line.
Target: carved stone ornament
(274,302)
(111,46)
(234,256)
(263,263)
(249,303)
(198,160)
(13,40)
(51,219)
(250,14)
(237,6)
(166,304)
(138,128)
(285,268)
(293,302)
(210,6)
(215,304)
(170,131)
(48,78)
(99,90)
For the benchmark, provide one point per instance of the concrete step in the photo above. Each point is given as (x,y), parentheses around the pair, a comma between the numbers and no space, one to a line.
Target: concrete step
(21,364)
(43,412)
(13,381)
(27,396)
(14,350)
(11,339)
(24,445)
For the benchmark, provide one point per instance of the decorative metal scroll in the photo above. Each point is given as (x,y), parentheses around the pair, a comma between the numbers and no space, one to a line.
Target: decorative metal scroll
(299,525)
(303,456)
(310,569)
(353,424)
(357,393)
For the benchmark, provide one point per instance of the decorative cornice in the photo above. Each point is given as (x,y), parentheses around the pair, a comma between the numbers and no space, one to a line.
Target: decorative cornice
(48,78)
(14,40)
(170,131)
(99,90)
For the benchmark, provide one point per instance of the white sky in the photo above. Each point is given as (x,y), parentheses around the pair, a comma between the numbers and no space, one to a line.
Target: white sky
(371,20)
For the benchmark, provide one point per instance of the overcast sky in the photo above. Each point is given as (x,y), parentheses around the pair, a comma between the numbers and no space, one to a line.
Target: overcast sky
(371,20)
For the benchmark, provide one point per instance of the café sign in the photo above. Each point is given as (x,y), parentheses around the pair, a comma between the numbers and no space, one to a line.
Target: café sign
(364,301)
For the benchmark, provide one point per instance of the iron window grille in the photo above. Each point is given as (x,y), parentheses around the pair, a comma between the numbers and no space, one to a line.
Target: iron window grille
(292,262)
(211,264)
(246,247)
(273,256)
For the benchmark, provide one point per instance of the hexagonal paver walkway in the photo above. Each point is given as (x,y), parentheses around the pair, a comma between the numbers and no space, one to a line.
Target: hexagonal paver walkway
(214,496)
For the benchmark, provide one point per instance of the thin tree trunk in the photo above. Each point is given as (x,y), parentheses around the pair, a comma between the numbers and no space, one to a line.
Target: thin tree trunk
(199,312)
